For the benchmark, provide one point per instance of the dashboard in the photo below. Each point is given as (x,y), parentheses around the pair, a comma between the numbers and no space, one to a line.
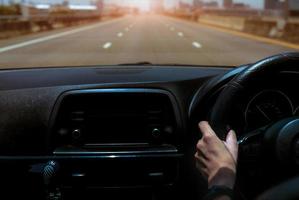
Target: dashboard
(118,131)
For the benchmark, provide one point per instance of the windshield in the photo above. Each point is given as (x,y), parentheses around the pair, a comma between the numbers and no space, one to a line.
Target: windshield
(44,33)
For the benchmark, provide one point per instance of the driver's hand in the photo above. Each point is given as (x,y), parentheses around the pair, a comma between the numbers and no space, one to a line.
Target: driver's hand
(216,159)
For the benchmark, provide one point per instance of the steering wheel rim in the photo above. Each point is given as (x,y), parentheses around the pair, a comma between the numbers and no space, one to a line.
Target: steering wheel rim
(287,190)
(219,116)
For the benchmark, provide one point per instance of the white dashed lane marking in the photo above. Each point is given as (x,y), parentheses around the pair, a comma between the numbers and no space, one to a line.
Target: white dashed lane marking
(54,36)
(180,34)
(120,34)
(196,45)
(107,45)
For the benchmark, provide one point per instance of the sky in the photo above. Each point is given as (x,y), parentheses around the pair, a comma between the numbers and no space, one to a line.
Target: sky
(142,3)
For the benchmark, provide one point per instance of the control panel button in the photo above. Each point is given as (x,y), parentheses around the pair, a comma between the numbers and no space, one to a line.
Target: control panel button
(76,134)
(156,133)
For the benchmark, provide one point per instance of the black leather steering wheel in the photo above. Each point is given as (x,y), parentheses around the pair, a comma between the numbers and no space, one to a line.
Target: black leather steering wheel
(287,191)
(281,135)
(224,104)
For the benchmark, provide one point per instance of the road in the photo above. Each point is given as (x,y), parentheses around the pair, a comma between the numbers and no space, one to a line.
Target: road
(152,38)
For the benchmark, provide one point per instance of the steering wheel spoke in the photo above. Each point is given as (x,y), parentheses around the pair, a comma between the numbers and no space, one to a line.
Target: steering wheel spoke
(252,136)
(250,145)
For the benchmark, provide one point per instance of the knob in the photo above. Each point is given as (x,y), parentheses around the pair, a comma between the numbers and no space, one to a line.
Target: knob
(156,133)
(76,134)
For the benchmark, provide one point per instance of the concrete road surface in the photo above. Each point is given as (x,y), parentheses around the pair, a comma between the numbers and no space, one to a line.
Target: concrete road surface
(152,38)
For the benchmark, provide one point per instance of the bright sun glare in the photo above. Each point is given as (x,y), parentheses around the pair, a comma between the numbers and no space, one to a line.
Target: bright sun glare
(143,5)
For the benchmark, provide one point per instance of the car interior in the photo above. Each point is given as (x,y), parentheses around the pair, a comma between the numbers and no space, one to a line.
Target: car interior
(130,131)
(149,99)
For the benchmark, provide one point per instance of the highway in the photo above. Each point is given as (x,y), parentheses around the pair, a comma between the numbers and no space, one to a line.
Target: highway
(130,39)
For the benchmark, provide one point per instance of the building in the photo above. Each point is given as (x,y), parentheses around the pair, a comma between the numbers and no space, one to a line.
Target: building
(211,4)
(157,5)
(273,4)
(184,6)
(241,6)
(227,3)
(98,3)
(292,7)
(197,4)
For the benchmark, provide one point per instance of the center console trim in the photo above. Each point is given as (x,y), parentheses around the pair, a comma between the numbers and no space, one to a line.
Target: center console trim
(56,108)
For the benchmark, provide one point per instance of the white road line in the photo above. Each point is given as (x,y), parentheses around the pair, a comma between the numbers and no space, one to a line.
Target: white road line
(172,29)
(120,34)
(180,34)
(51,37)
(196,45)
(107,45)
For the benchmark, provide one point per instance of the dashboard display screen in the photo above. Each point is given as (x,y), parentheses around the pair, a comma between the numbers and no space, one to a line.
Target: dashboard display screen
(117,119)
(101,118)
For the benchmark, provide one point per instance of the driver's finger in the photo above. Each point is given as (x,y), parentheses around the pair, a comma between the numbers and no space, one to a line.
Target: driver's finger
(201,149)
(205,128)
(200,158)
(201,166)
(203,170)
(232,144)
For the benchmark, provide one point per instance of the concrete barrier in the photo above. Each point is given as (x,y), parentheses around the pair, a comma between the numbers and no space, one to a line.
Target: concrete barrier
(259,27)
(291,32)
(266,27)
(270,26)
(12,28)
(236,23)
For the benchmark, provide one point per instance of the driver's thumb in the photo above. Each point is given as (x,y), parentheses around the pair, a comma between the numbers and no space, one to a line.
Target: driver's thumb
(231,144)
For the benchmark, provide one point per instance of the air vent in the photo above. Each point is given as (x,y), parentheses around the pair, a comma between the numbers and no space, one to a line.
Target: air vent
(77,116)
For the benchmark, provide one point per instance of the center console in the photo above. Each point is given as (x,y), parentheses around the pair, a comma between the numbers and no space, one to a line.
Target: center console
(114,142)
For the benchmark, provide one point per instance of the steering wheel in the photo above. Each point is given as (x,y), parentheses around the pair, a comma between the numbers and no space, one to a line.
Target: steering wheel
(287,190)
(280,139)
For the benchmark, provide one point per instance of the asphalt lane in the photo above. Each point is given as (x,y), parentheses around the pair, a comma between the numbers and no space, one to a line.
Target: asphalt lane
(151,38)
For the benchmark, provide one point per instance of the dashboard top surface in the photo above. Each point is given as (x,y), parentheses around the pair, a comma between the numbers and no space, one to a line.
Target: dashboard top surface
(47,77)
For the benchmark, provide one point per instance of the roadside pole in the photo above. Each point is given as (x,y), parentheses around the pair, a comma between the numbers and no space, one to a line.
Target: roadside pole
(24,10)
(282,20)
(286,10)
